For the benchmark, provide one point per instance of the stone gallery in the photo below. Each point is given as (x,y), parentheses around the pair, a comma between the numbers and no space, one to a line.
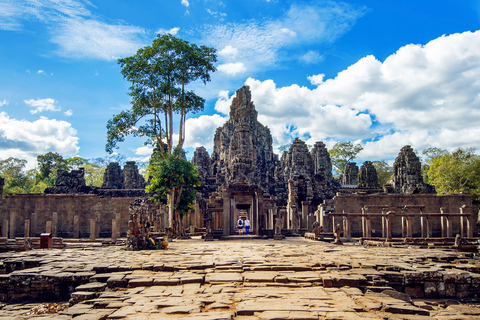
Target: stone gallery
(244,179)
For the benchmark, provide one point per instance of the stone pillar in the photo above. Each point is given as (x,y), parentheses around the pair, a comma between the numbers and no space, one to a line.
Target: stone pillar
(5,228)
(26,232)
(305,210)
(226,213)
(347,233)
(384,225)
(388,225)
(449,226)
(366,227)
(404,227)
(48,226)
(76,227)
(11,234)
(443,222)
(429,227)
(259,213)
(467,223)
(409,227)
(114,230)
(423,226)
(93,228)
(54,224)
(33,224)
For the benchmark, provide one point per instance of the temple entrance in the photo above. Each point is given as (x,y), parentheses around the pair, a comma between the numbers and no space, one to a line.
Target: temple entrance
(240,201)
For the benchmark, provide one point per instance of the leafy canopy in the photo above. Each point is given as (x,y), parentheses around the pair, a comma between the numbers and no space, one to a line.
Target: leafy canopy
(456,172)
(158,76)
(342,153)
(173,173)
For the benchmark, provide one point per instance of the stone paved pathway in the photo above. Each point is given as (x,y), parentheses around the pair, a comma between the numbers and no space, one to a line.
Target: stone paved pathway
(257,279)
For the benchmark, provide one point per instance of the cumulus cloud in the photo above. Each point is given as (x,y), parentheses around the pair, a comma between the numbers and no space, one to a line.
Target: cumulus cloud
(185,3)
(68,113)
(41,105)
(3,103)
(200,131)
(223,103)
(144,151)
(172,31)
(41,72)
(232,68)
(25,140)
(421,95)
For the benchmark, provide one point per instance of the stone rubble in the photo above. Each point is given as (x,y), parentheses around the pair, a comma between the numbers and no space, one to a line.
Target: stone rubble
(256,279)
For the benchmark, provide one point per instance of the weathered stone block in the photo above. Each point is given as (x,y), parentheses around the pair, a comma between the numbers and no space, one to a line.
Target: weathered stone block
(434,289)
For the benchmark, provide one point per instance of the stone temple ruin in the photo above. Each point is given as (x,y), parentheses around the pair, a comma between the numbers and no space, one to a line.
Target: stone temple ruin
(291,194)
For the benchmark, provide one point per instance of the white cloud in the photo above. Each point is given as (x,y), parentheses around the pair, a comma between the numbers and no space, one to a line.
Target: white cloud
(223,103)
(228,52)
(74,28)
(316,79)
(232,68)
(26,140)
(200,131)
(144,151)
(41,105)
(421,95)
(3,103)
(185,3)
(172,31)
(41,72)
(84,38)
(262,44)
(312,57)
(68,113)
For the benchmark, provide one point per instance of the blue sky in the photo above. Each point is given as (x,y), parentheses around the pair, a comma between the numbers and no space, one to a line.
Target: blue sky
(380,73)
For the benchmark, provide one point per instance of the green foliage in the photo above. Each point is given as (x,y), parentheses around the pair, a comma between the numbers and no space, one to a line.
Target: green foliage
(384,171)
(456,172)
(48,165)
(429,155)
(16,179)
(173,174)
(158,75)
(342,153)
(94,174)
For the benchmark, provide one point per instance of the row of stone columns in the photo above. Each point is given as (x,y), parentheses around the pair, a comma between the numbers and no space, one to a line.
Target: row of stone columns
(426,220)
(51,226)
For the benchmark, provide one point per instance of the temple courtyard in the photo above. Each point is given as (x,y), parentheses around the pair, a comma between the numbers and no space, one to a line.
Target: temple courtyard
(294,278)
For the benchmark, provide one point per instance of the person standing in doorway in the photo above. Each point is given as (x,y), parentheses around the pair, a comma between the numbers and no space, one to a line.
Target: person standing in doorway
(247,226)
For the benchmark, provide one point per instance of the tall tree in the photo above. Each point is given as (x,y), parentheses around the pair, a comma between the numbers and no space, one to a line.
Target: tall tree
(173,174)
(159,75)
(342,153)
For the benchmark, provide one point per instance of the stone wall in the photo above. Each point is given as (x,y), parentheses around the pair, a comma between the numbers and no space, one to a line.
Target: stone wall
(353,203)
(67,213)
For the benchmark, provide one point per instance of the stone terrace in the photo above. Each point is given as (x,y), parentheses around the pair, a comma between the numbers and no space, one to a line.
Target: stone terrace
(256,279)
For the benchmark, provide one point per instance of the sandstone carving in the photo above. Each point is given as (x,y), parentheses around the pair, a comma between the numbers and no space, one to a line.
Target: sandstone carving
(132,179)
(113,177)
(367,176)
(407,173)
(350,175)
